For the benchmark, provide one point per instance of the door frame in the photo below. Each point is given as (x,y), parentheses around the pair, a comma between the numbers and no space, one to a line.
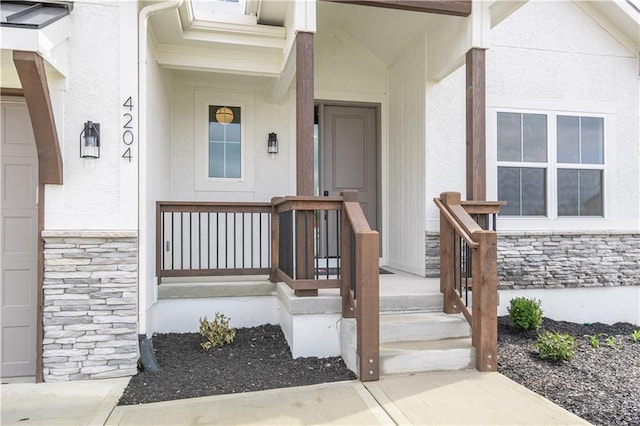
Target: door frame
(377,106)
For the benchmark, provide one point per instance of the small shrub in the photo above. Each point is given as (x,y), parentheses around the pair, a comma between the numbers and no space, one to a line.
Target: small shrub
(594,340)
(611,342)
(525,313)
(635,336)
(555,346)
(217,332)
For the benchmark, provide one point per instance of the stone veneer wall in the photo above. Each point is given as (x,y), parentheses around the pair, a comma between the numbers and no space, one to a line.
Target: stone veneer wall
(529,260)
(90,305)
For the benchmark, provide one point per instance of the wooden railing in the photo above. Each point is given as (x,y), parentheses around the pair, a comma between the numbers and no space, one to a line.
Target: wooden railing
(309,243)
(468,270)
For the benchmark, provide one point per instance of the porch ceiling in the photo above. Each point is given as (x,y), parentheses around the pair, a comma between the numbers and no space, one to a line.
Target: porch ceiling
(386,33)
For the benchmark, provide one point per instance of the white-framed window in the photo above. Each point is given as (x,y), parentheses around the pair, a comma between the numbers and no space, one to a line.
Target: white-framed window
(223,141)
(550,164)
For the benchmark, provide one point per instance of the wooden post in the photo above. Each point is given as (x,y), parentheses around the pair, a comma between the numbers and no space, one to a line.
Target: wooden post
(485,301)
(346,257)
(368,305)
(447,252)
(476,140)
(304,113)
(304,157)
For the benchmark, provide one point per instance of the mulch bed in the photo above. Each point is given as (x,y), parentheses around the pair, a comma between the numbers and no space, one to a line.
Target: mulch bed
(601,385)
(258,359)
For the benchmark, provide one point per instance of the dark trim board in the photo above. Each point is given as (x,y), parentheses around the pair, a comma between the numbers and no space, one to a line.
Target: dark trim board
(441,7)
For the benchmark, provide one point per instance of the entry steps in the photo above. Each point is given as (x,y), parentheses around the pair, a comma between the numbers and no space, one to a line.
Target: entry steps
(415,335)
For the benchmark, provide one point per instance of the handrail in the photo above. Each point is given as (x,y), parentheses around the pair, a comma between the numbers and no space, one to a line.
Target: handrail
(453,220)
(468,258)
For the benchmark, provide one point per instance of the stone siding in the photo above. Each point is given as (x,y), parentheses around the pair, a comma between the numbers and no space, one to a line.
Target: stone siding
(90,305)
(529,260)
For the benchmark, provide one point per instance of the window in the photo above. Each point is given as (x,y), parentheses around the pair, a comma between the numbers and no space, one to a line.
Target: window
(550,165)
(225,142)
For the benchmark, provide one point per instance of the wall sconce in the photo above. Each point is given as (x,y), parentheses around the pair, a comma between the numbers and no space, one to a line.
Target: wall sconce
(90,140)
(272,145)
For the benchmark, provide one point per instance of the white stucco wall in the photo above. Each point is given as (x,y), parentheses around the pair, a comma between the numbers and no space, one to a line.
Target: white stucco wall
(549,55)
(553,56)
(102,65)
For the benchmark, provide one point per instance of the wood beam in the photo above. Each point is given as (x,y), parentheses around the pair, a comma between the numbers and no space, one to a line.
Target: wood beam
(33,78)
(11,91)
(475,123)
(442,7)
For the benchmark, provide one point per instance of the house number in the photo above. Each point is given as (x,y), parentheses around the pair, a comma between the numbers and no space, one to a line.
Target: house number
(127,129)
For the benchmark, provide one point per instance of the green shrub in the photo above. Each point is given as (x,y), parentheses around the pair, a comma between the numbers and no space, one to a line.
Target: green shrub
(609,340)
(555,346)
(635,336)
(217,332)
(525,313)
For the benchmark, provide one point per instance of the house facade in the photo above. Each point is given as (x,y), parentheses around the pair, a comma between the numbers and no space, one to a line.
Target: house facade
(243,101)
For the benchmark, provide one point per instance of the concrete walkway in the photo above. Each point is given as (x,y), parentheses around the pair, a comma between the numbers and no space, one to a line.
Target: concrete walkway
(455,397)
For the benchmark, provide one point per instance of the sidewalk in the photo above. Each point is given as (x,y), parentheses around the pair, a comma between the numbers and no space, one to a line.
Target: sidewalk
(455,397)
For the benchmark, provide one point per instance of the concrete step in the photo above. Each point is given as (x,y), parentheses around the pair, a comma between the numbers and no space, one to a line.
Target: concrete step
(412,327)
(212,287)
(423,302)
(436,355)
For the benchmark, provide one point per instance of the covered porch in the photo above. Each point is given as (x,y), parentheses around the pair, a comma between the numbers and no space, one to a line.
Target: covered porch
(292,60)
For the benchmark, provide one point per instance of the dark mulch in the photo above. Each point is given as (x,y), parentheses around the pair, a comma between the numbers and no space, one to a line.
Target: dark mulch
(258,359)
(601,385)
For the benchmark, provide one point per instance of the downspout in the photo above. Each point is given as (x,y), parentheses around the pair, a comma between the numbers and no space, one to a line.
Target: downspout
(142,150)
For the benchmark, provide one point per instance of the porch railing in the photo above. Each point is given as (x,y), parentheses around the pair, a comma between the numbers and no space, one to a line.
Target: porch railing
(309,243)
(209,239)
(468,270)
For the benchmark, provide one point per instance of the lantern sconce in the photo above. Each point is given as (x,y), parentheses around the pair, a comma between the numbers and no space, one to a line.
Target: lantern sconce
(272,145)
(90,140)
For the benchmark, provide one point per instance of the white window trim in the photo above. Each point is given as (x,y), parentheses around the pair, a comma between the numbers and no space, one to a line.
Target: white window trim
(552,221)
(246,102)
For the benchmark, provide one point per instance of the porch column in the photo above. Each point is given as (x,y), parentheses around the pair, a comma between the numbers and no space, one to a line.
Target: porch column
(304,114)
(476,140)
(304,157)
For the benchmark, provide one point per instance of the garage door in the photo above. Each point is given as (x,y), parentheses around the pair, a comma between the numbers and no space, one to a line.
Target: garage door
(18,241)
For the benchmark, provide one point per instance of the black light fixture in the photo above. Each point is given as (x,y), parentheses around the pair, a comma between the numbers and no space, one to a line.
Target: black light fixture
(272,144)
(90,140)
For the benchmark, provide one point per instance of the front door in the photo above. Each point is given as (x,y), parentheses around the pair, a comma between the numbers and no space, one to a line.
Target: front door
(349,159)
(18,241)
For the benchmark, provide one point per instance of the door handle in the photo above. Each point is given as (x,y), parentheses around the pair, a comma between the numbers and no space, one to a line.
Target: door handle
(325,193)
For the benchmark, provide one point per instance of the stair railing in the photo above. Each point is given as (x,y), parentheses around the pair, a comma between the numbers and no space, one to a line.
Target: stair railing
(468,272)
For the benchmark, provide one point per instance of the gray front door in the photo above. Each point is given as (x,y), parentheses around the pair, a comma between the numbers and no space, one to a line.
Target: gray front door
(349,159)
(18,241)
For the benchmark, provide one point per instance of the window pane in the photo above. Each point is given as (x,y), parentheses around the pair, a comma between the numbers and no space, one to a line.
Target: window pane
(567,192)
(534,133)
(225,153)
(592,132)
(509,137)
(509,190)
(591,193)
(534,192)
(216,159)
(568,139)
(233,160)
